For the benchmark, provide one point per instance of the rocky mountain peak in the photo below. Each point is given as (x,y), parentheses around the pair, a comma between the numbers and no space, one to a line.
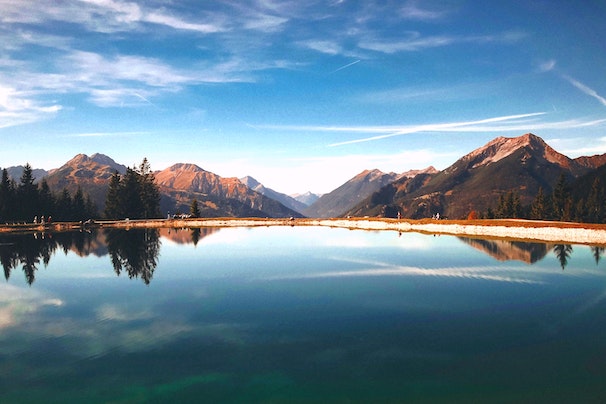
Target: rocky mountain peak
(502,147)
(184,167)
(250,182)
(107,161)
(414,173)
(95,162)
(370,175)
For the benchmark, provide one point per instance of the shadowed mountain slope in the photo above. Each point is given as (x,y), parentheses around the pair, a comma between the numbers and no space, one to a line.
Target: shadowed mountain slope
(284,199)
(180,184)
(475,182)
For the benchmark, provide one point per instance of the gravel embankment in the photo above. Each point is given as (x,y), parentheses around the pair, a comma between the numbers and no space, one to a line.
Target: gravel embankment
(574,233)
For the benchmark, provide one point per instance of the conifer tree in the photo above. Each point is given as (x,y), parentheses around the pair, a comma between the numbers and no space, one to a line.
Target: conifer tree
(131,195)
(46,199)
(78,211)
(538,206)
(64,206)
(134,195)
(150,195)
(559,198)
(594,207)
(27,194)
(113,203)
(7,198)
(194,209)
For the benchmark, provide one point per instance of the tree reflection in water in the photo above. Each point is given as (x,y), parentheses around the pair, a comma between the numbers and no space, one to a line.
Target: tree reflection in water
(29,249)
(562,252)
(134,251)
(597,253)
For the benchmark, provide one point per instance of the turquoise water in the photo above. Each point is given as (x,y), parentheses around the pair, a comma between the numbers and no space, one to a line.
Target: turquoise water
(298,315)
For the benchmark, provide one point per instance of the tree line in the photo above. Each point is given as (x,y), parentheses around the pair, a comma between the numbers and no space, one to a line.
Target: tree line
(566,202)
(26,201)
(133,195)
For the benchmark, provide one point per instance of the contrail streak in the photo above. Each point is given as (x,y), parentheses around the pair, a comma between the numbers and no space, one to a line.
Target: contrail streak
(437,127)
(346,66)
(144,99)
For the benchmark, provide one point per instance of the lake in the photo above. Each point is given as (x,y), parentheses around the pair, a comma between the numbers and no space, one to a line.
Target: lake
(298,315)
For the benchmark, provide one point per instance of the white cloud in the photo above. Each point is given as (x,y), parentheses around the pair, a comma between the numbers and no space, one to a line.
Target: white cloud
(170,21)
(412,11)
(17,108)
(414,41)
(17,302)
(547,66)
(323,46)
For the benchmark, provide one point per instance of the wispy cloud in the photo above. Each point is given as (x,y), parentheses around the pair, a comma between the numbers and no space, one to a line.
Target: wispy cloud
(412,11)
(107,134)
(321,45)
(547,66)
(585,89)
(380,269)
(391,131)
(18,107)
(507,123)
(415,41)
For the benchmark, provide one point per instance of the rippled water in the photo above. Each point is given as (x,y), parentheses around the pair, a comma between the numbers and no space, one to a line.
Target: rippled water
(299,315)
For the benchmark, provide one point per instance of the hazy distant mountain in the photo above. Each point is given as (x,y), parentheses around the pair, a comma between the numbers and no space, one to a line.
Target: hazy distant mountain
(349,194)
(306,198)
(284,199)
(15,173)
(217,196)
(91,174)
(475,181)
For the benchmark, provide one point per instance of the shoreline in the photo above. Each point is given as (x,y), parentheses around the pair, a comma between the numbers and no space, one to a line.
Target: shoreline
(510,229)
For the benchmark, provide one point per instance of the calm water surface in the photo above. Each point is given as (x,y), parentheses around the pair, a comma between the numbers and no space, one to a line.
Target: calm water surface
(298,315)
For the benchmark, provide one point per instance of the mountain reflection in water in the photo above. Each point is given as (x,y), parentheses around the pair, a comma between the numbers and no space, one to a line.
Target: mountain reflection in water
(135,252)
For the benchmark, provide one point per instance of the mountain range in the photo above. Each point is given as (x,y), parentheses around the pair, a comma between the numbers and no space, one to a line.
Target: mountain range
(474,182)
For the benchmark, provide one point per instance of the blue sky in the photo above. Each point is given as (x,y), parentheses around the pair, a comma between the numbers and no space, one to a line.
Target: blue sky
(300,95)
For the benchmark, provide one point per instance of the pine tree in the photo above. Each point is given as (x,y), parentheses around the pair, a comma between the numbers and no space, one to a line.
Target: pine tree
(113,200)
(64,206)
(537,208)
(27,194)
(194,209)
(150,195)
(78,211)
(131,195)
(7,198)
(594,207)
(134,195)
(46,199)
(559,198)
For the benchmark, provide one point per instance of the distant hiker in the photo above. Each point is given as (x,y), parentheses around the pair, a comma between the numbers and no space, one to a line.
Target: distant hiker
(399,216)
